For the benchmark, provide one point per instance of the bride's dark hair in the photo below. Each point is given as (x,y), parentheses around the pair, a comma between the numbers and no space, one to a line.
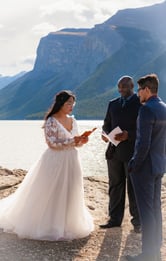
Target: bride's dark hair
(60,99)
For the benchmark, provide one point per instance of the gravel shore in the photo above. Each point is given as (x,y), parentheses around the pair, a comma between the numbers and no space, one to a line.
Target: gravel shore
(102,245)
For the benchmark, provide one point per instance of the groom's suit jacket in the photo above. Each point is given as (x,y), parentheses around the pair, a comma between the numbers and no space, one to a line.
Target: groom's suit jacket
(150,147)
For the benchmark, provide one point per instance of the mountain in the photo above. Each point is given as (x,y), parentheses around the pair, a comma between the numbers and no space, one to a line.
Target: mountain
(89,62)
(5,80)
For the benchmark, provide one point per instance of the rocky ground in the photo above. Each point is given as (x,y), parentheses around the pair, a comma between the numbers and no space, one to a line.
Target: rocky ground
(102,245)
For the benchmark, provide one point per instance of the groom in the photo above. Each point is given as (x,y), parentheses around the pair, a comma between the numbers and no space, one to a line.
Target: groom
(148,165)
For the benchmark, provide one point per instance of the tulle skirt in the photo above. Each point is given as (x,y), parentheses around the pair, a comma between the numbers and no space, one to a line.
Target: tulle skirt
(49,203)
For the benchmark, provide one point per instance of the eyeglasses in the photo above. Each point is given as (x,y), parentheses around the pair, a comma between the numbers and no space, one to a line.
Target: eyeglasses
(70,103)
(141,88)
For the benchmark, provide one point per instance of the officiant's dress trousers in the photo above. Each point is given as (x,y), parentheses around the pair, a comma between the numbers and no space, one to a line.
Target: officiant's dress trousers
(123,114)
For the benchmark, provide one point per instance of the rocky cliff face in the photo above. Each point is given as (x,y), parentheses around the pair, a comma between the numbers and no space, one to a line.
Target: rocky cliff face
(77,52)
(57,50)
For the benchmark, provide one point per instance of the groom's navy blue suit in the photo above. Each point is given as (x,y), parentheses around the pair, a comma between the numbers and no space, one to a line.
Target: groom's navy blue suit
(146,168)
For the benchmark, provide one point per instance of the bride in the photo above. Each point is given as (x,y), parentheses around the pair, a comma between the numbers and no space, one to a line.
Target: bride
(49,203)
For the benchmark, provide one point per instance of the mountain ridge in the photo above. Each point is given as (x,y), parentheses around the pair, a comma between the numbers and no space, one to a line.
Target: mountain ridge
(89,62)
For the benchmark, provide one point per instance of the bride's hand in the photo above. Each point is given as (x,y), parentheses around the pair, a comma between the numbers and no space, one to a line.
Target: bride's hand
(84,139)
(79,140)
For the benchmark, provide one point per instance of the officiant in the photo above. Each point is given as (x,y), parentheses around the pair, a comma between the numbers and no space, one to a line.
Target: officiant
(122,113)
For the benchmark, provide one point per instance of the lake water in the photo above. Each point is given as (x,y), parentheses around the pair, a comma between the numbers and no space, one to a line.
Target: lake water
(23,142)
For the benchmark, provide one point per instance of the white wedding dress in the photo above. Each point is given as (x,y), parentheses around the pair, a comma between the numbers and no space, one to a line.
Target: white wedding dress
(49,203)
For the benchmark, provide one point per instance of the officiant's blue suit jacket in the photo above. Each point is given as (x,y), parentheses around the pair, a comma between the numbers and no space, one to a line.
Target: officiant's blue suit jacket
(150,146)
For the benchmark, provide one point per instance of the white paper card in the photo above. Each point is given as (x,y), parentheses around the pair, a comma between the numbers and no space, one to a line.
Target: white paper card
(111,136)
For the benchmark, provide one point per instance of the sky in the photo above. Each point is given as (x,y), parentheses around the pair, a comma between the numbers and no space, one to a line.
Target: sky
(23,23)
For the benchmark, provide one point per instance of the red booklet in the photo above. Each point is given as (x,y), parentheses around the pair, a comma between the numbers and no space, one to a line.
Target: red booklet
(87,133)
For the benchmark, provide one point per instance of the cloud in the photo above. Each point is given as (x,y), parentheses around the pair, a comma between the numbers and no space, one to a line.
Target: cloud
(43,28)
(28,60)
(84,13)
(75,14)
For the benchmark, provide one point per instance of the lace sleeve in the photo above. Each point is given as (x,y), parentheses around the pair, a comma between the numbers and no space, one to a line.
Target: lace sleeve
(55,137)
